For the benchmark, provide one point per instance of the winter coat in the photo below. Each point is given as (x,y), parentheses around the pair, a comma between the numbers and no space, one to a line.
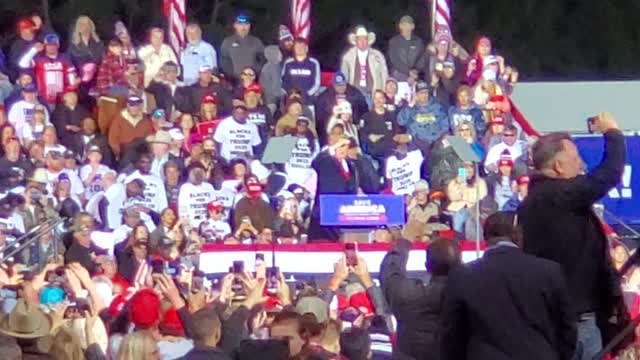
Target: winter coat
(237,53)
(377,68)
(405,55)
(124,129)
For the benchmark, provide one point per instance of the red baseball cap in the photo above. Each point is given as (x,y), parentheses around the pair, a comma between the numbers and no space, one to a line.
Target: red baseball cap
(209,99)
(25,24)
(254,87)
(145,308)
(505,162)
(524,179)
(215,205)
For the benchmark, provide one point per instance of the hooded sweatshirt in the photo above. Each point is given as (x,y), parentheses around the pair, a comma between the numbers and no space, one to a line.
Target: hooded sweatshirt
(424,122)
(472,114)
(303,75)
(270,76)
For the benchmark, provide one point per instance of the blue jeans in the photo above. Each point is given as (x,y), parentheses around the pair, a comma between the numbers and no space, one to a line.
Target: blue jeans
(589,340)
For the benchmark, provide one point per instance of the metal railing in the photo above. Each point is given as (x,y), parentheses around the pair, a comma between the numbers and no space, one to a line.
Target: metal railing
(30,238)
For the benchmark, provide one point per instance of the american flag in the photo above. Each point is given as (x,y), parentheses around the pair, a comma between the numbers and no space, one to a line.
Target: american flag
(440,14)
(175,13)
(301,18)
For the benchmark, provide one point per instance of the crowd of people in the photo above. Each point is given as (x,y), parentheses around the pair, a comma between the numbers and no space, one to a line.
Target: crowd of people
(123,160)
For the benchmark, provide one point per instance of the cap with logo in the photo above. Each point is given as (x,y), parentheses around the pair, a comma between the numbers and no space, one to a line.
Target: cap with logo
(242,19)
(422,86)
(51,39)
(339,79)
(30,88)
(134,101)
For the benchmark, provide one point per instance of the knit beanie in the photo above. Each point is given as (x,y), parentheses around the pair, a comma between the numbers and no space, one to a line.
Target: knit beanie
(284,33)
(120,28)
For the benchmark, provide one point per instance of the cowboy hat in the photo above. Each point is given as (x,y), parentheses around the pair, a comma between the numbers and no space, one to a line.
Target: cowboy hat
(161,137)
(39,176)
(361,31)
(26,321)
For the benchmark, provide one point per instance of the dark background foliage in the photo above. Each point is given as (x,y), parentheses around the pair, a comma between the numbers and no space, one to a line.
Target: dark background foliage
(577,39)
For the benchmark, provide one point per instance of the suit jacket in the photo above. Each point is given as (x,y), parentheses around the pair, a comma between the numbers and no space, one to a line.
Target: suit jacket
(416,305)
(507,305)
(560,225)
(333,182)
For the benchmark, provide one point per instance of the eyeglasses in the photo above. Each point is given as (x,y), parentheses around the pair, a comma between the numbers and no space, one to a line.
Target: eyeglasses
(248,74)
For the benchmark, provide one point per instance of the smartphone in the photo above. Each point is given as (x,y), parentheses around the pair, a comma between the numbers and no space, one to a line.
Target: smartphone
(272,280)
(157,266)
(238,267)
(238,270)
(171,268)
(591,122)
(351,253)
(259,260)
(462,174)
(197,284)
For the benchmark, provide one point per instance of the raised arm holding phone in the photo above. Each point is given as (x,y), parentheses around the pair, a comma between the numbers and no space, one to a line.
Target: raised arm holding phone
(559,224)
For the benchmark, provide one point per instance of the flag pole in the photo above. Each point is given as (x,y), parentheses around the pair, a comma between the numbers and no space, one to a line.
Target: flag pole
(433,17)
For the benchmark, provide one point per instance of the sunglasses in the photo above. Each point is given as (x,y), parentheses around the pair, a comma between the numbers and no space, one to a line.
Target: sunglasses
(248,74)
(508,134)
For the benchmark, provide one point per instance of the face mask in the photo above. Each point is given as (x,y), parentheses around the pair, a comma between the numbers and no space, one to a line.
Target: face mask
(38,128)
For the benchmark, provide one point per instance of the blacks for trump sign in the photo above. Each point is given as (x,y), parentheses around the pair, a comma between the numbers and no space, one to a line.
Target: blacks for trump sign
(365,210)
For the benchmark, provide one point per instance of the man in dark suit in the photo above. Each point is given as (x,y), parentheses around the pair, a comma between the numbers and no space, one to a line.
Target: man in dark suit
(415,304)
(338,177)
(559,224)
(507,305)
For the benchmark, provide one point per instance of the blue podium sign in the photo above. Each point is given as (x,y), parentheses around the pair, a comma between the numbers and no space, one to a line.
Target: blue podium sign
(361,210)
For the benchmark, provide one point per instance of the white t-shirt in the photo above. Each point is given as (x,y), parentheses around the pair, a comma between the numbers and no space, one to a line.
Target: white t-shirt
(298,167)
(494,154)
(218,229)
(76,184)
(21,114)
(95,186)
(193,201)
(226,196)
(155,195)
(236,139)
(404,173)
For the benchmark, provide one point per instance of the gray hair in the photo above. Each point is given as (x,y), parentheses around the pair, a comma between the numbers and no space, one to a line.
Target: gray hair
(547,147)
(75,33)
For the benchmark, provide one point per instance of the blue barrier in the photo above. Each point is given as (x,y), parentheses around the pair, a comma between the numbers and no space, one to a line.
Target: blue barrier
(624,200)
(361,210)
